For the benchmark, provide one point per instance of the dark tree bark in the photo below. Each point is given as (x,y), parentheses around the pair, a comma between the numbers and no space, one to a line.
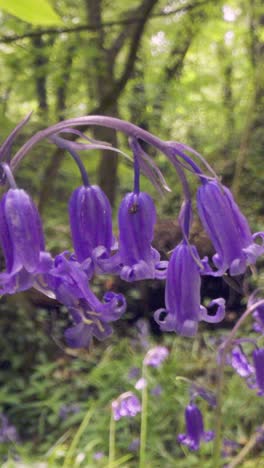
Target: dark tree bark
(56,159)
(40,61)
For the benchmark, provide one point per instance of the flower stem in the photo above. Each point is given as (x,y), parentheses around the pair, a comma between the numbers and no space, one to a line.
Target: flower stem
(112,427)
(217,462)
(144,420)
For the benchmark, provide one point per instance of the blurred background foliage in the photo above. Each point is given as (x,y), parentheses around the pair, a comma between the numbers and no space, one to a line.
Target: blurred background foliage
(186,70)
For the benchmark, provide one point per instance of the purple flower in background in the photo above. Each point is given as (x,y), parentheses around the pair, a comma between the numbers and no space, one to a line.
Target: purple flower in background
(182,295)
(204,393)
(126,405)
(134,445)
(258,359)
(91,317)
(66,410)
(91,225)
(258,313)
(194,429)
(8,432)
(140,384)
(155,356)
(240,362)
(134,373)
(98,455)
(138,259)
(157,391)
(230,447)
(22,241)
(228,230)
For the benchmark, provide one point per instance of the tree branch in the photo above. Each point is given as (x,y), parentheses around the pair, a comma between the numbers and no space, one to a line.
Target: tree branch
(88,27)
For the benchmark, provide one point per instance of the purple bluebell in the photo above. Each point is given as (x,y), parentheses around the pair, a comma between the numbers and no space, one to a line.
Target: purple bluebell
(137,258)
(182,295)
(134,373)
(91,225)
(195,432)
(155,356)
(141,383)
(228,230)
(204,393)
(91,317)
(66,410)
(157,391)
(125,406)
(258,313)
(230,448)
(258,360)
(98,455)
(8,432)
(22,241)
(258,316)
(134,445)
(240,362)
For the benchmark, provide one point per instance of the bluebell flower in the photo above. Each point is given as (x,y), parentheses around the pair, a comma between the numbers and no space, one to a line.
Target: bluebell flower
(195,432)
(91,226)
(22,241)
(8,432)
(137,258)
(258,313)
(228,230)
(202,392)
(127,405)
(182,295)
(155,356)
(258,360)
(240,362)
(69,282)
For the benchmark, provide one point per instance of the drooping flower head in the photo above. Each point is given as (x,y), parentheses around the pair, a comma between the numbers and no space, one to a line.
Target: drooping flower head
(182,295)
(138,259)
(227,228)
(127,405)
(22,241)
(91,223)
(195,433)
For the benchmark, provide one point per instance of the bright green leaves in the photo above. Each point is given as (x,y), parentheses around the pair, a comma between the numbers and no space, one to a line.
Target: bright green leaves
(35,12)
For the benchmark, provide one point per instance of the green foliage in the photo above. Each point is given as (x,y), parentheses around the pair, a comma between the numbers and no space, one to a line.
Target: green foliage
(37,13)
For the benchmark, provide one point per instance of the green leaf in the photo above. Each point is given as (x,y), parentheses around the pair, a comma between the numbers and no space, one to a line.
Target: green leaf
(35,12)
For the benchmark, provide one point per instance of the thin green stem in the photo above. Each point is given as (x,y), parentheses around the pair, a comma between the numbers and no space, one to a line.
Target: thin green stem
(220,384)
(68,461)
(112,427)
(144,419)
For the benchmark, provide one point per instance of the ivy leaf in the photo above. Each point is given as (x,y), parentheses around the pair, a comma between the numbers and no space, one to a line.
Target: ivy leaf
(35,12)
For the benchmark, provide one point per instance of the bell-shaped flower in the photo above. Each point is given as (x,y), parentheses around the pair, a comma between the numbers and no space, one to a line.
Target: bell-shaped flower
(137,258)
(195,432)
(258,314)
(91,225)
(258,360)
(228,230)
(22,242)
(240,362)
(91,317)
(182,294)
(127,405)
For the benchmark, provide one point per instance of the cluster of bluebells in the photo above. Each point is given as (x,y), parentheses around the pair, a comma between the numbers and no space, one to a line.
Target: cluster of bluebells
(68,276)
